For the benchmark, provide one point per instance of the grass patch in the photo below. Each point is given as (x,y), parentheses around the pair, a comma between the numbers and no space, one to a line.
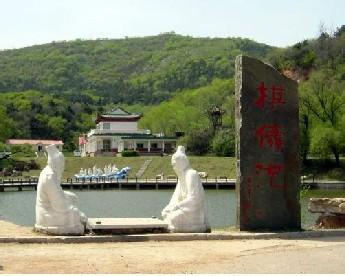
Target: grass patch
(213,166)
(74,164)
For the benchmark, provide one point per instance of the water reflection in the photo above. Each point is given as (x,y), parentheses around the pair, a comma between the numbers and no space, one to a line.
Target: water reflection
(19,207)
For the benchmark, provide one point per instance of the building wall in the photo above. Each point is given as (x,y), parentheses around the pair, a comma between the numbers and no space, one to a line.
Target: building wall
(118,126)
(95,144)
(91,145)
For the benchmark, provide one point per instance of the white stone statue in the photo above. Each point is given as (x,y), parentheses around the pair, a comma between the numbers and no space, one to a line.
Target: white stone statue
(81,172)
(94,170)
(56,212)
(106,170)
(99,172)
(186,211)
(89,172)
(114,169)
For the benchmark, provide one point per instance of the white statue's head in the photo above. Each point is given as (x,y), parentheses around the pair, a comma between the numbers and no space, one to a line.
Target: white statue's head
(179,160)
(56,159)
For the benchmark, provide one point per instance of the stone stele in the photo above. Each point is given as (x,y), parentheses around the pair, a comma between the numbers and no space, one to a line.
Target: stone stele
(56,212)
(267,147)
(186,211)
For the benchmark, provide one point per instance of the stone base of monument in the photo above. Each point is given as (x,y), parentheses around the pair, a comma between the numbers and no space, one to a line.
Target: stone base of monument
(332,212)
(126,225)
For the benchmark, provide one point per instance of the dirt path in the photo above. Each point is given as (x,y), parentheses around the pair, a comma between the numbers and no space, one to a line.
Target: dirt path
(321,255)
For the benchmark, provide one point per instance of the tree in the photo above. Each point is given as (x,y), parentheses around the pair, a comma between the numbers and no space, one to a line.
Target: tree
(6,125)
(340,31)
(304,135)
(325,102)
(197,141)
(327,140)
(223,143)
(57,125)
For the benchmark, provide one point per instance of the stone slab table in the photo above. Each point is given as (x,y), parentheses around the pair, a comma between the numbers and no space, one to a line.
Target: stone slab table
(126,225)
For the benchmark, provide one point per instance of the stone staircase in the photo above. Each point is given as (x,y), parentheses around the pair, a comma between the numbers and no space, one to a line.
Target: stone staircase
(143,168)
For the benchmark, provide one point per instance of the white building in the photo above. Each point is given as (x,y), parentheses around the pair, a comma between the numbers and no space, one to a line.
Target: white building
(117,131)
(37,145)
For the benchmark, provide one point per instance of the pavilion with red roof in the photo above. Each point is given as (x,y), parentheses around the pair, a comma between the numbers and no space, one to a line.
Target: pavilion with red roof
(37,145)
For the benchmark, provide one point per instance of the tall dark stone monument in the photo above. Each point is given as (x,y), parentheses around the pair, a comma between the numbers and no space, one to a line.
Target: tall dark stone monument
(267,133)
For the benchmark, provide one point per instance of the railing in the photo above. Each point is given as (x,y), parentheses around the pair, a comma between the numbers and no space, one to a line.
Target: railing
(149,183)
(126,183)
(107,131)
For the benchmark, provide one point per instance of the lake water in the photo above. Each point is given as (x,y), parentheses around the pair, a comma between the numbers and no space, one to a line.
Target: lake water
(19,207)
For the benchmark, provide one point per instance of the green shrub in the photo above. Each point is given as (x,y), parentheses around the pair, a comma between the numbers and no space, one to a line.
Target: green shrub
(22,151)
(4,147)
(223,143)
(337,173)
(130,153)
(197,141)
(7,163)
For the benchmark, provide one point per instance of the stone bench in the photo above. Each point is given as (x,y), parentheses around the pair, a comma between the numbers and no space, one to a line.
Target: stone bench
(126,225)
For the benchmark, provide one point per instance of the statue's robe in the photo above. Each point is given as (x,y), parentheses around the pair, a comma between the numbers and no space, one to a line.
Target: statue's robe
(56,212)
(186,211)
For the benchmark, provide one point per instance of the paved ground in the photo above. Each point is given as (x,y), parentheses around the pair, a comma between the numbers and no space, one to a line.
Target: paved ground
(322,255)
(308,255)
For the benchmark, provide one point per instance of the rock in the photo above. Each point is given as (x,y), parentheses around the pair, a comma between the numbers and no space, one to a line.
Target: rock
(331,221)
(327,205)
(267,135)
(160,176)
(203,174)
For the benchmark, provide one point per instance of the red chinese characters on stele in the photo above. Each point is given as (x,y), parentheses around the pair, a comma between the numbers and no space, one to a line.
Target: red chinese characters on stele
(272,171)
(270,135)
(273,96)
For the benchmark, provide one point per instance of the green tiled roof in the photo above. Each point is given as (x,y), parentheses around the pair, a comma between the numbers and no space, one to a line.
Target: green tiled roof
(128,136)
(151,137)
(120,112)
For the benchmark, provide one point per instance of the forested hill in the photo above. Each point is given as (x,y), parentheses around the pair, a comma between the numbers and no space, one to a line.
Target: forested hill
(53,91)
(133,70)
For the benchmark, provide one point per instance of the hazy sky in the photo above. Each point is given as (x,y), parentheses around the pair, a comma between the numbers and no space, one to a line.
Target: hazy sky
(275,22)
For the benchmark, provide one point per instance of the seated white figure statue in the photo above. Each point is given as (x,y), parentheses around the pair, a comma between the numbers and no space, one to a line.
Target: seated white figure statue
(89,172)
(99,172)
(186,211)
(81,172)
(56,212)
(114,169)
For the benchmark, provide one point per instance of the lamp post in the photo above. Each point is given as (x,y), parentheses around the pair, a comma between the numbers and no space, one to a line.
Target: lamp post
(215,115)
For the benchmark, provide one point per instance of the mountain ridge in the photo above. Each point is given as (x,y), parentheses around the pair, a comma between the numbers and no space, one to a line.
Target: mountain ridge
(131,70)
